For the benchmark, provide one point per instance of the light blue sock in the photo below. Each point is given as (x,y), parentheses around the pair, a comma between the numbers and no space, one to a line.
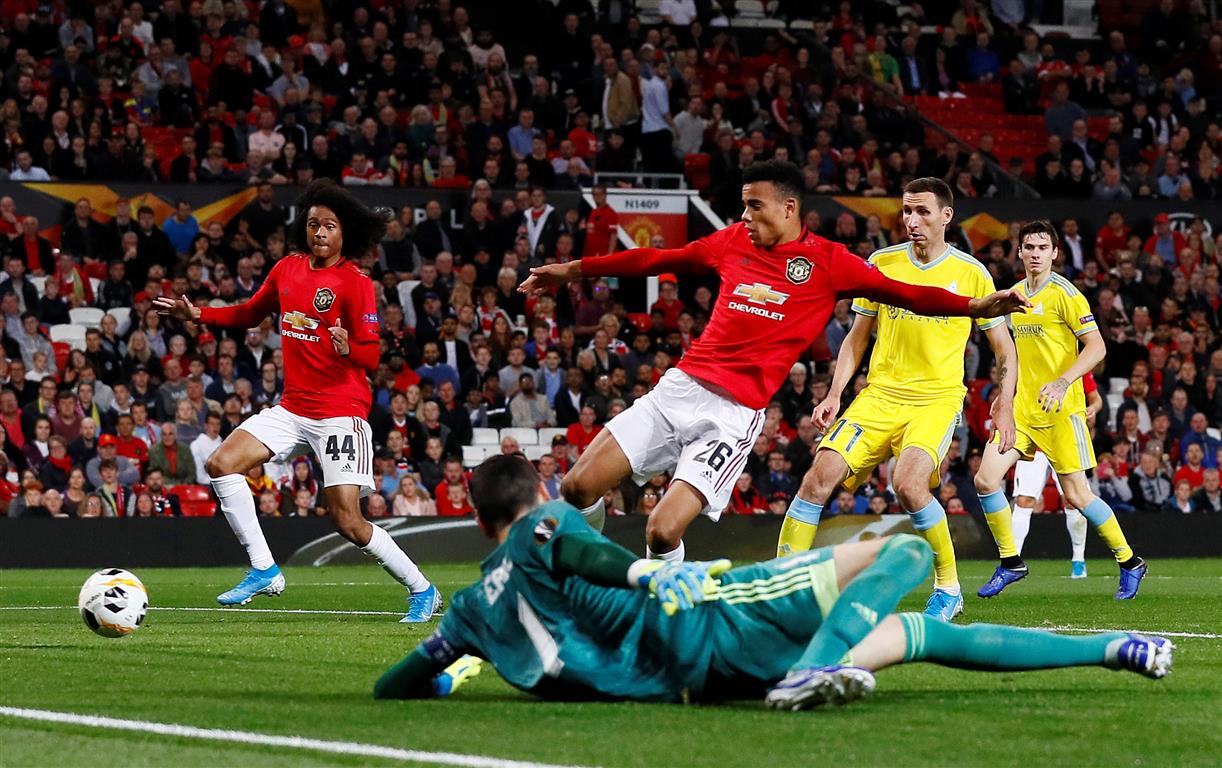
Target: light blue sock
(928,516)
(993,502)
(1097,512)
(804,511)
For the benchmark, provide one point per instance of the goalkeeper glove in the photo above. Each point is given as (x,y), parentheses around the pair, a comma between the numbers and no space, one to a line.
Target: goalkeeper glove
(457,674)
(679,586)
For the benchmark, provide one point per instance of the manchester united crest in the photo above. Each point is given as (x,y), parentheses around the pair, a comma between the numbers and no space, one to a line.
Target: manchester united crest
(325,297)
(798,270)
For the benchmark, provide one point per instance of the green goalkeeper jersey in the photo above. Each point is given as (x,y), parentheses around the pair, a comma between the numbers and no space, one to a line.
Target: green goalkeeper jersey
(562,637)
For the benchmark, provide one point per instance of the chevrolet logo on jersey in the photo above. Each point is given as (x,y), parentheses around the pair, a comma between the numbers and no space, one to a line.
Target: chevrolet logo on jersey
(759,293)
(297,324)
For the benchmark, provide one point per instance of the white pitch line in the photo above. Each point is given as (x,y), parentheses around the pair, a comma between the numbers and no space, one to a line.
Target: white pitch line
(1162,633)
(264,739)
(233,611)
(238,611)
(296,584)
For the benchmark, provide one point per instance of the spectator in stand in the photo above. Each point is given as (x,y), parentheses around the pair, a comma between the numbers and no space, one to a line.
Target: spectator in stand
(1062,113)
(1180,503)
(746,498)
(1208,498)
(173,457)
(581,433)
(1164,241)
(1150,485)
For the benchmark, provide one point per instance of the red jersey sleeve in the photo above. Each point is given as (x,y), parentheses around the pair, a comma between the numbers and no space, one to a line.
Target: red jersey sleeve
(249,313)
(361,319)
(853,277)
(697,256)
(1088,383)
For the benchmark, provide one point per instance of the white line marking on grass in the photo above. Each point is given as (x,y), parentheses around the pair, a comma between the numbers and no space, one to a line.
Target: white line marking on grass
(296,584)
(238,611)
(1163,633)
(264,739)
(235,610)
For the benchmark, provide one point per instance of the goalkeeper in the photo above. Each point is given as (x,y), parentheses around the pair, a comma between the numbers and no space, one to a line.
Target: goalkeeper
(564,613)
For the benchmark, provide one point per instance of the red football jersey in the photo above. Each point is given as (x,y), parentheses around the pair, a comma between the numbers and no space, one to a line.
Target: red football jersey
(318,382)
(772,303)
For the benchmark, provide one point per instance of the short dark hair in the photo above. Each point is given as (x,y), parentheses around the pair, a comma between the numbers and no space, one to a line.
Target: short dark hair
(363,227)
(1039,227)
(501,487)
(939,188)
(782,174)
(145,209)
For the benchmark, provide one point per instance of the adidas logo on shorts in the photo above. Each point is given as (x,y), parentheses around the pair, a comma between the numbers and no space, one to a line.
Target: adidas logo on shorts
(347,468)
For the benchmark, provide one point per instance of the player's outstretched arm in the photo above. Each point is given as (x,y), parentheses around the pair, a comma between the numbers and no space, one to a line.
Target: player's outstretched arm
(248,314)
(543,279)
(637,262)
(598,560)
(179,309)
(852,277)
(999,304)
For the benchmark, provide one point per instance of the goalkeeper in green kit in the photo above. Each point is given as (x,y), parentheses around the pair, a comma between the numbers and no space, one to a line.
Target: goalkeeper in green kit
(562,612)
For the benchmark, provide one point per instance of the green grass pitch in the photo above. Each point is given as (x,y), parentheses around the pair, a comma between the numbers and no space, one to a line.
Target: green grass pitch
(303,674)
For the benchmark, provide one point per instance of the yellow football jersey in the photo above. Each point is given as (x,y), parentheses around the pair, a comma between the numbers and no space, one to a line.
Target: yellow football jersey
(1047,340)
(919,358)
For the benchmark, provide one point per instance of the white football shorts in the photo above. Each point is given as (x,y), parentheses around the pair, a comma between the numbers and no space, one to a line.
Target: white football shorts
(343,445)
(1030,477)
(703,437)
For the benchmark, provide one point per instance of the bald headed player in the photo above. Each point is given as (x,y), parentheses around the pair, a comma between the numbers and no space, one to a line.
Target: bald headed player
(779,284)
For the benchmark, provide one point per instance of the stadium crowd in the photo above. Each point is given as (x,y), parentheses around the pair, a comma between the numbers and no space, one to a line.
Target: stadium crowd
(417,94)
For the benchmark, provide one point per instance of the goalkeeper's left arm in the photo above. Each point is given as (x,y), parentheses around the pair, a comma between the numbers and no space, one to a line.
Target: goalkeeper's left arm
(598,560)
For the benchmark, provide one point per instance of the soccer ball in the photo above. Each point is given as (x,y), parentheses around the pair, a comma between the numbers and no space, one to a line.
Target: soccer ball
(113,602)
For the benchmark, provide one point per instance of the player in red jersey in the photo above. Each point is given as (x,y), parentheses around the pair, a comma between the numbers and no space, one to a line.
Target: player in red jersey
(779,284)
(329,331)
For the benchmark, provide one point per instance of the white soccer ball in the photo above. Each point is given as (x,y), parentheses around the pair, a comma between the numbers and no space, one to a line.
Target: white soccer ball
(113,602)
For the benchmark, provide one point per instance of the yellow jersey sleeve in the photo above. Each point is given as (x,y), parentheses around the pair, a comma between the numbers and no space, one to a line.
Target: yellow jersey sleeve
(863,306)
(1077,314)
(983,286)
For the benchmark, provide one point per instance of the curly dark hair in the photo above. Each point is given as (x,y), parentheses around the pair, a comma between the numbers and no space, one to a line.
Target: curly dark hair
(363,227)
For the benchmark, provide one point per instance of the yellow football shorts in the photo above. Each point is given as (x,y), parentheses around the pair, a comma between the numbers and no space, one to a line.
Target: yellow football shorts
(1066,442)
(877,427)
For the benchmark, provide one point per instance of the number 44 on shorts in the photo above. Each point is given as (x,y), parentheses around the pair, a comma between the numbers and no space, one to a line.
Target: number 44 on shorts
(335,448)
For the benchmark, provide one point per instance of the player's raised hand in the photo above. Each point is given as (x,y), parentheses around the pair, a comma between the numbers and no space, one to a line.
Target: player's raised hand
(180,309)
(550,276)
(999,303)
(1052,395)
(825,413)
(339,338)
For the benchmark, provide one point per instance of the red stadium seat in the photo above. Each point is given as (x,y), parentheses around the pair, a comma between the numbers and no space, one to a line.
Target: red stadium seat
(196,500)
(198,508)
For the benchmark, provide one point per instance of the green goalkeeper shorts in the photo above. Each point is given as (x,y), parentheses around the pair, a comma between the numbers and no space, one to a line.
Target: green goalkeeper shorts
(764,616)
